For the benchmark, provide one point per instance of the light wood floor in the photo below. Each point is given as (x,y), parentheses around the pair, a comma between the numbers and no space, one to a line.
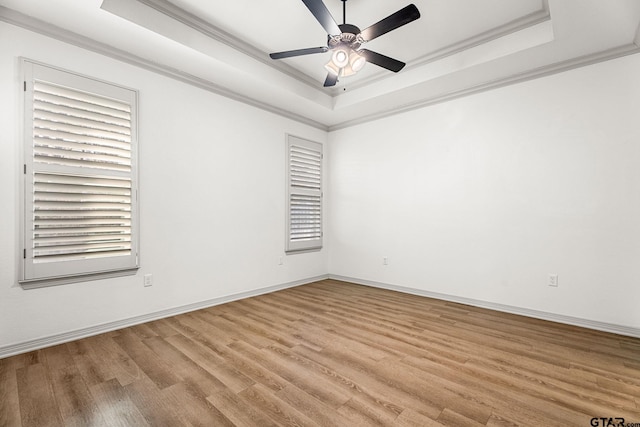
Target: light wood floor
(331,354)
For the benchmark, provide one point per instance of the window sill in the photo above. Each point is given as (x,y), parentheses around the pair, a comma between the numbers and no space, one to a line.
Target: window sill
(55,281)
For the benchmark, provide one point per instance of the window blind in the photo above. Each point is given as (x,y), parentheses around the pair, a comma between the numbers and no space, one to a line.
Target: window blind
(304,224)
(80,180)
(77,216)
(75,128)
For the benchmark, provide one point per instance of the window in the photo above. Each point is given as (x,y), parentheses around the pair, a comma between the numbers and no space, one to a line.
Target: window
(80,178)
(304,195)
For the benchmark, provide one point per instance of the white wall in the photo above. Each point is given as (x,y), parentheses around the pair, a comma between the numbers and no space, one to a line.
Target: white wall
(480,197)
(212,182)
(484,196)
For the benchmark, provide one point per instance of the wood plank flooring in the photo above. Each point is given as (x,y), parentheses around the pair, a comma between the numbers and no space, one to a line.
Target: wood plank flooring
(329,354)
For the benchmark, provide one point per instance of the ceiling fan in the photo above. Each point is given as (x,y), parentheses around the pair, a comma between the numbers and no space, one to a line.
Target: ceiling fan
(346,40)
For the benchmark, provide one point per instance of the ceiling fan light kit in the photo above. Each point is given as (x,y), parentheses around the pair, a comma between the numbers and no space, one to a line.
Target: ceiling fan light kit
(356,62)
(345,41)
(340,57)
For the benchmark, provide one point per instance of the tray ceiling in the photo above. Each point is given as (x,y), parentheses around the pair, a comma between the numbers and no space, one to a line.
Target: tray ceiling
(456,47)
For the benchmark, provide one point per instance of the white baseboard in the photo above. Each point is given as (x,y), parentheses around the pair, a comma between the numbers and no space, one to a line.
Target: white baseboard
(26,346)
(559,318)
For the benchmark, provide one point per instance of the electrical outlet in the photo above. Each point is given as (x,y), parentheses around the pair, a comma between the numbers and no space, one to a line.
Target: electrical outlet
(148,280)
(385,261)
(280,261)
(553,280)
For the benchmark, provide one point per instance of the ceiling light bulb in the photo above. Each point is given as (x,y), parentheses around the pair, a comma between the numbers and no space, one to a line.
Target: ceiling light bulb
(340,58)
(357,61)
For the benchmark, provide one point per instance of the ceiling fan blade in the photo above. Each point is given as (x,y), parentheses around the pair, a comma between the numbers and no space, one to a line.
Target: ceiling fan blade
(298,52)
(331,80)
(382,60)
(322,14)
(391,22)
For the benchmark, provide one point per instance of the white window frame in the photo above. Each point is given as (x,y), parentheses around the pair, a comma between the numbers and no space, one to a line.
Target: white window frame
(34,271)
(313,191)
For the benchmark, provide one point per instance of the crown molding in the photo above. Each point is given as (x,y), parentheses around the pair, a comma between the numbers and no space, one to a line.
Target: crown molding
(209,30)
(511,27)
(18,19)
(215,33)
(504,30)
(536,73)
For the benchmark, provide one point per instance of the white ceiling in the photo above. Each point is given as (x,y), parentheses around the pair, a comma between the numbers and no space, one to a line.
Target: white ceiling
(456,47)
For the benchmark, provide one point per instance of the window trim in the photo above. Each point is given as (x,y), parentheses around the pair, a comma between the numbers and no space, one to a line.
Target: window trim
(28,276)
(312,244)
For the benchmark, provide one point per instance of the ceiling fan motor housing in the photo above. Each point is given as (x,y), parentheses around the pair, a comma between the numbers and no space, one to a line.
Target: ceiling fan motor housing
(350,37)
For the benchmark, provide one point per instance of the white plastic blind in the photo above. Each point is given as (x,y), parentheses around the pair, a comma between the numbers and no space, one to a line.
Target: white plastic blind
(304,227)
(75,128)
(80,184)
(79,215)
